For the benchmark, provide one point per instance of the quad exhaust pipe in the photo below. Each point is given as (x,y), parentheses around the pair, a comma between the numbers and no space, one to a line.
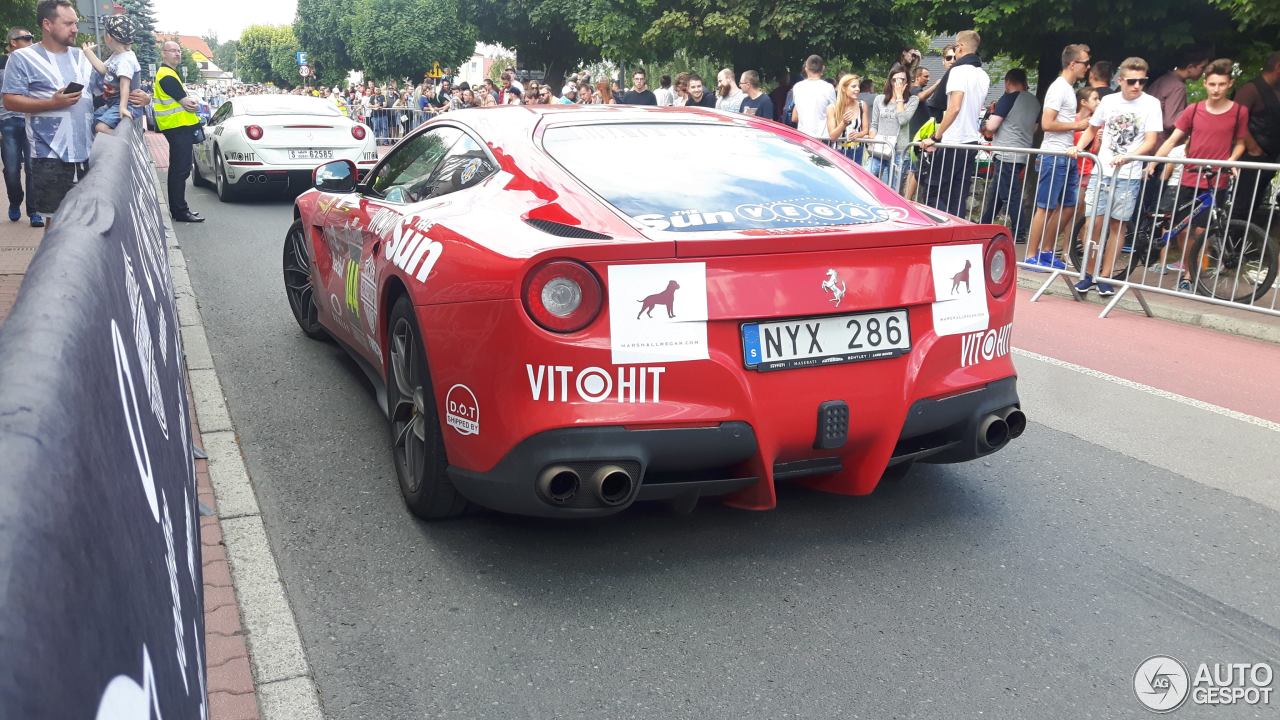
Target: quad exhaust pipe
(609,485)
(998,428)
(612,485)
(558,484)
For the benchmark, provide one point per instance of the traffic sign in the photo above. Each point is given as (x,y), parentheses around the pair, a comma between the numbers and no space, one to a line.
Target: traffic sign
(304,71)
(436,72)
(301,57)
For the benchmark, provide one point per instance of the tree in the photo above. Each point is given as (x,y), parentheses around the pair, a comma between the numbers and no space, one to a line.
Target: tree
(144,46)
(265,53)
(189,69)
(1037,30)
(322,28)
(536,29)
(401,38)
(225,55)
(15,13)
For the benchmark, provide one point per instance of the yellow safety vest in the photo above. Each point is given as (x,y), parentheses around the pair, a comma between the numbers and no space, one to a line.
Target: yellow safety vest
(169,112)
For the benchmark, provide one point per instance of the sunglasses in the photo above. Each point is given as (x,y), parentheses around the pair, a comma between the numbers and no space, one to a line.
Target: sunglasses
(948,57)
(28,38)
(1136,81)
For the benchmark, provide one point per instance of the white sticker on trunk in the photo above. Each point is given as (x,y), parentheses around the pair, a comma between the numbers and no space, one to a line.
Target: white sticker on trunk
(959,289)
(658,313)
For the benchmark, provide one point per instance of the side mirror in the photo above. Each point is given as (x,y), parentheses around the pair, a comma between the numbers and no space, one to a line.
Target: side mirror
(338,176)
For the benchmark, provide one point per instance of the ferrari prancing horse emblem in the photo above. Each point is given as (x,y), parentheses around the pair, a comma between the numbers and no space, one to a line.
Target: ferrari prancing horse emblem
(834,286)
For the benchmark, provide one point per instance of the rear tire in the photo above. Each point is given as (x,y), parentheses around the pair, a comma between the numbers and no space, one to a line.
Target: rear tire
(226,192)
(1240,265)
(297,282)
(417,444)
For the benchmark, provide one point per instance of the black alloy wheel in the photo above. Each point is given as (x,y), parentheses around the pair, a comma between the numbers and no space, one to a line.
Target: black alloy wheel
(417,445)
(297,282)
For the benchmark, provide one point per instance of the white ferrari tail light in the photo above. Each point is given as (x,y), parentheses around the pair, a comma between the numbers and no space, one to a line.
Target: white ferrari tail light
(562,296)
(253,132)
(357,132)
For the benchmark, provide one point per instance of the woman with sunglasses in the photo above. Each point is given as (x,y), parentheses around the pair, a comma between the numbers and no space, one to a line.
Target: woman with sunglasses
(891,123)
(937,101)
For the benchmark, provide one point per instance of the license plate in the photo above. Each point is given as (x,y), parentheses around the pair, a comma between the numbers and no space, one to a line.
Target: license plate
(310,154)
(827,340)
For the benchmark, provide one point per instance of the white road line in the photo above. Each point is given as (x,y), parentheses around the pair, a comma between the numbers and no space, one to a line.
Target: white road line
(1182,399)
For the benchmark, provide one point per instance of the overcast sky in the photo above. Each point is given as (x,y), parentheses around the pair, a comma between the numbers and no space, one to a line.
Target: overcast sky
(225,17)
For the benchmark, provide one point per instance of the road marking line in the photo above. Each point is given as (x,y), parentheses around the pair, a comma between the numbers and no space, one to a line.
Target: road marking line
(1182,399)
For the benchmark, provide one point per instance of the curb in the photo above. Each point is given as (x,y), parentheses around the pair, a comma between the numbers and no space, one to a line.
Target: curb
(1262,328)
(281,675)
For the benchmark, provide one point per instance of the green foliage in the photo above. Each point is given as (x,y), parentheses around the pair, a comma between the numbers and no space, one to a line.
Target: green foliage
(322,28)
(145,47)
(226,55)
(189,71)
(265,53)
(538,30)
(401,38)
(18,12)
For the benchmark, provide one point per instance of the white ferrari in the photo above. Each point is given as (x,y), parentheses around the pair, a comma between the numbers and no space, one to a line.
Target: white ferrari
(264,143)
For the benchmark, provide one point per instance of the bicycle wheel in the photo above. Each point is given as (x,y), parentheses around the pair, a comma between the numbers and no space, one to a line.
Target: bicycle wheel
(1239,264)
(1131,255)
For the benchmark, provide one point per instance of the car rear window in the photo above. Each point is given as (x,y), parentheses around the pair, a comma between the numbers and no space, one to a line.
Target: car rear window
(687,178)
(289,105)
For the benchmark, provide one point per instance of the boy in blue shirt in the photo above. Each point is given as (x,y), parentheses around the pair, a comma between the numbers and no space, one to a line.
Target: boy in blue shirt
(117,76)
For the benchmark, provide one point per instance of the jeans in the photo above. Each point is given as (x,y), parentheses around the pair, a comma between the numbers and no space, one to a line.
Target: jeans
(181,154)
(889,170)
(950,178)
(380,122)
(16,151)
(1004,191)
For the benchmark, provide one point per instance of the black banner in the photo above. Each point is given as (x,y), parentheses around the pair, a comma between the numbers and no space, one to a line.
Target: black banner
(101,594)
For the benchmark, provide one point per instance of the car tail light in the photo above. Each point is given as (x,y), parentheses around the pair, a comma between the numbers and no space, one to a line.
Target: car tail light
(562,296)
(254,132)
(357,132)
(1001,268)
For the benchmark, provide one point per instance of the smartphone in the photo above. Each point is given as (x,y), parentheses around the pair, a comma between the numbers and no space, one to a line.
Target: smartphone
(73,88)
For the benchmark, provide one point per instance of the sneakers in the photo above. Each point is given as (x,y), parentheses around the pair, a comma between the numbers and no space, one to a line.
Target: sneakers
(1175,267)
(1034,263)
(36,220)
(1086,284)
(1184,285)
(1048,260)
(15,214)
(1106,289)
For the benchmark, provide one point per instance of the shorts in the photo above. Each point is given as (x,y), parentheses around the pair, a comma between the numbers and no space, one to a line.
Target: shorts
(1058,183)
(108,115)
(1176,197)
(51,180)
(1125,197)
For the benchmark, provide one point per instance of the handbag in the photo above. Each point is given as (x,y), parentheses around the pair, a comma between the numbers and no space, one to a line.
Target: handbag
(883,146)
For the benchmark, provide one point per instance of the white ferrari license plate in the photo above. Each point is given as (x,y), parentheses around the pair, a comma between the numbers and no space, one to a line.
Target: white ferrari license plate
(827,340)
(310,154)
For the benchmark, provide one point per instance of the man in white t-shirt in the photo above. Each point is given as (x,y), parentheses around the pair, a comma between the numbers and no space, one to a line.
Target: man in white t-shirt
(810,98)
(951,170)
(1131,123)
(1059,176)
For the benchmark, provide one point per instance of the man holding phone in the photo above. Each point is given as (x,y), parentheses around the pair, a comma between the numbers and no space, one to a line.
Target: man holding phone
(45,81)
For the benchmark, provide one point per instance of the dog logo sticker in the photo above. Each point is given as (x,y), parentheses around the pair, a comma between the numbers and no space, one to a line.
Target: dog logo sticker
(666,297)
(961,277)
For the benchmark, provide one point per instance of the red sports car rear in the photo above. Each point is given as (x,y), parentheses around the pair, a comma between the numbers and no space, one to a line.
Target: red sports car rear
(569,310)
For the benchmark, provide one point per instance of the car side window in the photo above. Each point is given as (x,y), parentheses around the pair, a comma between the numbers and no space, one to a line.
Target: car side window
(403,177)
(465,166)
(224,112)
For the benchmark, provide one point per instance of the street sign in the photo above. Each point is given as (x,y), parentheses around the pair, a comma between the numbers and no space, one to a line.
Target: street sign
(304,71)
(436,72)
(301,57)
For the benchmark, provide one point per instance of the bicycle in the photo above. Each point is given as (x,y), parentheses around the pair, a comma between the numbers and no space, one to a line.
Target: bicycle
(1239,262)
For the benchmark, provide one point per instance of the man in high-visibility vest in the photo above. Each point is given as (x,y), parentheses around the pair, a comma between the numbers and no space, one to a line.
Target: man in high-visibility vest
(176,119)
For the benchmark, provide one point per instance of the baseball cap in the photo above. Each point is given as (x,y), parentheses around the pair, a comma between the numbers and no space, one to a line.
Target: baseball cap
(121,27)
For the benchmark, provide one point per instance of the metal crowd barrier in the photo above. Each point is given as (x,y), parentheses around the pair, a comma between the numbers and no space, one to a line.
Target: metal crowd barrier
(1215,239)
(391,124)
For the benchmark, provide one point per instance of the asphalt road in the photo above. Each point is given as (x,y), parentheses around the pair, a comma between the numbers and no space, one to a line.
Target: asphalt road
(1120,526)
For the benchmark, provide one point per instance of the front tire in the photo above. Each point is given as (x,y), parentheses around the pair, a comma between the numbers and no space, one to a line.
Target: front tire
(297,282)
(417,445)
(226,192)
